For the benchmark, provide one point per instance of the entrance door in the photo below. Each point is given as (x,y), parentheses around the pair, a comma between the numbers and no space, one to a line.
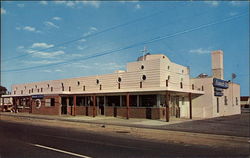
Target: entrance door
(174,107)
(64,110)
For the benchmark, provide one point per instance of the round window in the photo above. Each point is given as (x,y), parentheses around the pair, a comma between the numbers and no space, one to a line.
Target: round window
(97,81)
(142,67)
(119,79)
(38,103)
(144,77)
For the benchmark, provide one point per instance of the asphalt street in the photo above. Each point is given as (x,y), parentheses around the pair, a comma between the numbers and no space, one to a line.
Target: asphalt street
(20,140)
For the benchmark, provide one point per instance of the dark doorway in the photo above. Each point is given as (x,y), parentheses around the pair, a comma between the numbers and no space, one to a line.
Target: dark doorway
(64,110)
(148,113)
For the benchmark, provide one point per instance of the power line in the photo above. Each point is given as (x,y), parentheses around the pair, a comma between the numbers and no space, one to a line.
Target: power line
(137,44)
(88,36)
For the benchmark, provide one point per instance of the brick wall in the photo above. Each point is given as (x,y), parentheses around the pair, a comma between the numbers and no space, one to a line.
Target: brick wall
(52,110)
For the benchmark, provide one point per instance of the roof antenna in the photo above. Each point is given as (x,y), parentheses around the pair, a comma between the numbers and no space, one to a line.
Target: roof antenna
(143,53)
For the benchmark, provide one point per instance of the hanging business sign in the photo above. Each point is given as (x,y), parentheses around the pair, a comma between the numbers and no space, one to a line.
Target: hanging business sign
(220,83)
(37,96)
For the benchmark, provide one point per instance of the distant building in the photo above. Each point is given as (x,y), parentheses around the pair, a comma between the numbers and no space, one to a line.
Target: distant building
(245,103)
(152,87)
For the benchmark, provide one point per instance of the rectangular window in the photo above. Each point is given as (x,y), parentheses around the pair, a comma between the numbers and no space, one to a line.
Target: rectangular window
(50,102)
(51,89)
(100,87)
(47,102)
(166,83)
(181,85)
(41,89)
(140,84)
(183,100)
(69,88)
(202,88)
(83,88)
(225,100)
(32,90)
(192,86)
(218,110)
(236,100)
(21,91)
(119,85)
(62,88)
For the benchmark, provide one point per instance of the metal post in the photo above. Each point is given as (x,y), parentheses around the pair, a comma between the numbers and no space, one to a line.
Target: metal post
(74,102)
(2,104)
(94,106)
(190,105)
(120,100)
(138,100)
(167,106)
(127,105)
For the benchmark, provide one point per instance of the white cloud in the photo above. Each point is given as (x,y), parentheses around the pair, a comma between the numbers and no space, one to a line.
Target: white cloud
(212,3)
(93,28)
(81,47)
(18,28)
(20,5)
(41,45)
(3,11)
(41,54)
(233,13)
(58,70)
(82,40)
(51,24)
(95,4)
(57,18)
(138,6)
(91,31)
(29,28)
(238,3)
(43,2)
(199,51)
(20,47)
(72,4)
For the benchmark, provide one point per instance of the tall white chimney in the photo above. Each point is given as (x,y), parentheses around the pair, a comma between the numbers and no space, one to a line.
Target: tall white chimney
(217,64)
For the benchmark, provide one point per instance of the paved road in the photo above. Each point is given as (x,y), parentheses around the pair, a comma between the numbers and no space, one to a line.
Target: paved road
(19,140)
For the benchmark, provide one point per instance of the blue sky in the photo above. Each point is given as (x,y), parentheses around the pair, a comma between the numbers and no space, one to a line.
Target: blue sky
(185,31)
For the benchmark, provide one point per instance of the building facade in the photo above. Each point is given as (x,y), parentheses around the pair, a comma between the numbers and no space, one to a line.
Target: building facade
(152,87)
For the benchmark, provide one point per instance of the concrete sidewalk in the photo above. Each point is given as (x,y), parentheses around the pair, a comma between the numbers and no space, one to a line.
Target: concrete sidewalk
(132,122)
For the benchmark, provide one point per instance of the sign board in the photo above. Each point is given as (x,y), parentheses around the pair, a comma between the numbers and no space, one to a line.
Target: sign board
(220,83)
(218,89)
(37,96)
(218,94)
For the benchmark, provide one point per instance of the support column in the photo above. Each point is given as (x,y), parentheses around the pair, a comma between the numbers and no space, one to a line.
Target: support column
(2,104)
(30,104)
(104,101)
(67,103)
(158,100)
(94,106)
(138,100)
(121,100)
(167,106)
(74,103)
(127,96)
(190,105)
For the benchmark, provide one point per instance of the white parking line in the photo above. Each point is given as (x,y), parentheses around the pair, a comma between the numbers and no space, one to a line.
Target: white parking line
(61,151)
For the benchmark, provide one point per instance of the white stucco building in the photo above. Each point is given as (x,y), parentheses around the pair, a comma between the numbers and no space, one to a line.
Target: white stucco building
(152,87)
